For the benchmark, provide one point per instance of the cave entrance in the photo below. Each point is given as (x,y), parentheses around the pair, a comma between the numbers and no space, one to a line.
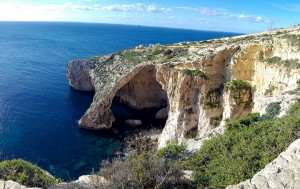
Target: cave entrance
(140,103)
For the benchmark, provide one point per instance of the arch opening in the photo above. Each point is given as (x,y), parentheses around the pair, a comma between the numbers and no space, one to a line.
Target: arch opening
(141,103)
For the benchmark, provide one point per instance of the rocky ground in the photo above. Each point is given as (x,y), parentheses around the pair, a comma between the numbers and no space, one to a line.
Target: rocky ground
(12,185)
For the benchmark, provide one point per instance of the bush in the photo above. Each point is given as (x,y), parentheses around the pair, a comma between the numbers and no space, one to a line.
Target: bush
(195,73)
(246,147)
(290,63)
(25,173)
(171,151)
(236,85)
(140,171)
(273,109)
(274,59)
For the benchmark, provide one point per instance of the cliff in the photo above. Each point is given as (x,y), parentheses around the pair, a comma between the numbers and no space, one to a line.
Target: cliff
(186,80)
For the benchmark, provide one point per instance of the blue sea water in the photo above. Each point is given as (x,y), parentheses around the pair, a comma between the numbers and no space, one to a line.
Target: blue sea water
(38,109)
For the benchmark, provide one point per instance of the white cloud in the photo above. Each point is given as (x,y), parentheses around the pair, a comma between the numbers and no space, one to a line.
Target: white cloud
(226,14)
(138,7)
(71,6)
(207,11)
(250,18)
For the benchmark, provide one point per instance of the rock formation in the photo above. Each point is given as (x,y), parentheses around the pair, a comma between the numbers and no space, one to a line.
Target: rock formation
(13,185)
(78,75)
(187,81)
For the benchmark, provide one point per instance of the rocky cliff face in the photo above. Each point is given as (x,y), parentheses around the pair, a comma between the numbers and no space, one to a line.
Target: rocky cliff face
(187,81)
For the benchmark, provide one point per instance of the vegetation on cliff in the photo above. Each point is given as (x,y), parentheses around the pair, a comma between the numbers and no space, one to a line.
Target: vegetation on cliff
(25,173)
(142,170)
(248,145)
(237,85)
(194,73)
(290,63)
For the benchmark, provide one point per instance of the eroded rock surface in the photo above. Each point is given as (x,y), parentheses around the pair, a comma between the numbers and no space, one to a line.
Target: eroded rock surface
(78,75)
(84,182)
(12,185)
(283,172)
(189,79)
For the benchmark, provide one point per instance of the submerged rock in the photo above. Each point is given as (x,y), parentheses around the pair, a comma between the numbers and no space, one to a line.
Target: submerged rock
(79,165)
(133,122)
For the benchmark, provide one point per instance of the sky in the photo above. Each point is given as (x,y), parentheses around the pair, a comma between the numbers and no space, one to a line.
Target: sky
(214,15)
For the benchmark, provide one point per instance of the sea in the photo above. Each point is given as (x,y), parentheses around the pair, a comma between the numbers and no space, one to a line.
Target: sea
(39,111)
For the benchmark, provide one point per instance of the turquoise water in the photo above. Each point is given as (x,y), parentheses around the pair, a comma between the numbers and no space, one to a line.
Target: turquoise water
(38,109)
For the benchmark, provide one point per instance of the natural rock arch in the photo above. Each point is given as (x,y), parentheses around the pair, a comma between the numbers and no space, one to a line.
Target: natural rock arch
(143,94)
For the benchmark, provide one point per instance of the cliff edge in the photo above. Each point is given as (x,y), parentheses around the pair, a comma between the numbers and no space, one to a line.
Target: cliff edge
(197,85)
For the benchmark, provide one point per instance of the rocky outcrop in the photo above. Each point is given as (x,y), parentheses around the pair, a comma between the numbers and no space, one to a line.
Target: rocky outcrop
(12,185)
(84,182)
(188,79)
(78,75)
(283,172)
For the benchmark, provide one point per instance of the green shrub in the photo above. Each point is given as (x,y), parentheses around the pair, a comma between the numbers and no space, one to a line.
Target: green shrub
(236,85)
(25,173)
(174,52)
(171,151)
(290,63)
(273,109)
(143,170)
(195,73)
(293,39)
(133,57)
(274,59)
(246,147)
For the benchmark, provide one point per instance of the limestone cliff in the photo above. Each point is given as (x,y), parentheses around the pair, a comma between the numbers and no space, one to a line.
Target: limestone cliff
(187,81)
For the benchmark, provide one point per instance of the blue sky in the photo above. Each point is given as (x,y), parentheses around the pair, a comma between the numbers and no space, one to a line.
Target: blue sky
(227,15)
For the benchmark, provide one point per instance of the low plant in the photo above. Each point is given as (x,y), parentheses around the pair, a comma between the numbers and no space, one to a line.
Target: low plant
(25,173)
(273,109)
(272,60)
(132,57)
(171,151)
(237,85)
(175,52)
(289,63)
(248,145)
(194,73)
(143,170)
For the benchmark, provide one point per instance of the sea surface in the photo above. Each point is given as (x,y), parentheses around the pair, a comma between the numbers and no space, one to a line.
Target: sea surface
(38,109)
